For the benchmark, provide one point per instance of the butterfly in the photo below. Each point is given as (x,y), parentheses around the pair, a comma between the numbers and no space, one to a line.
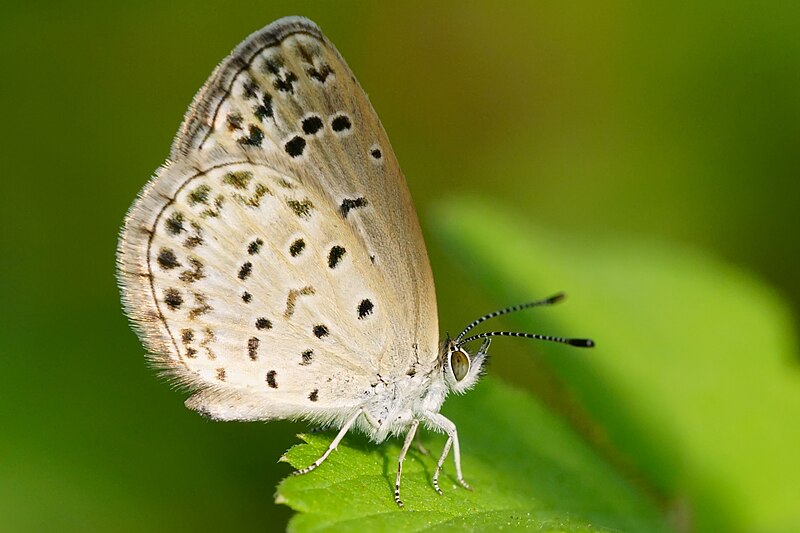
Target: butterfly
(274,265)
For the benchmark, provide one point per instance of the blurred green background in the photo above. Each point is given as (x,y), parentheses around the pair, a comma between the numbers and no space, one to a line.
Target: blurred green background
(676,123)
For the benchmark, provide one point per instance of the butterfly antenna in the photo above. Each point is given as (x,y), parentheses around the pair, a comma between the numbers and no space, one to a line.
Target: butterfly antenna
(581,343)
(514,308)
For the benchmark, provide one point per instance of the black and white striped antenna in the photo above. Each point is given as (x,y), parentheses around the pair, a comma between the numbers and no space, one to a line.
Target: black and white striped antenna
(582,343)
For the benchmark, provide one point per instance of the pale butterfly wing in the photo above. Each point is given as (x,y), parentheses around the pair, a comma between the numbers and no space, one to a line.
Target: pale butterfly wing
(287,91)
(277,263)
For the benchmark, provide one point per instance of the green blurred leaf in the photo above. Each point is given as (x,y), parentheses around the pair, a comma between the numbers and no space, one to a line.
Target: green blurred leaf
(694,378)
(527,467)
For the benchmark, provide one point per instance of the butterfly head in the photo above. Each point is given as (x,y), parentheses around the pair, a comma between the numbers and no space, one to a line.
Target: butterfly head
(462,369)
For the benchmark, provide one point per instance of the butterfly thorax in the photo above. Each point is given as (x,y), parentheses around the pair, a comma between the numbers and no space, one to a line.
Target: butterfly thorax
(393,404)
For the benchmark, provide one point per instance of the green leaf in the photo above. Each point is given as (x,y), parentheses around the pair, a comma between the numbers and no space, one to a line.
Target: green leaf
(527,467)
(695,376)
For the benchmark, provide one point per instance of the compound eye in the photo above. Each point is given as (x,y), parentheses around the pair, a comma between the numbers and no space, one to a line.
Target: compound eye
(459,363)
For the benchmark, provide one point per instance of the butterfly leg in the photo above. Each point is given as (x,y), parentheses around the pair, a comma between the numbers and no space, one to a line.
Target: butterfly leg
(370,419)
(333,446)
(448,427)
(442,457)
(406,446)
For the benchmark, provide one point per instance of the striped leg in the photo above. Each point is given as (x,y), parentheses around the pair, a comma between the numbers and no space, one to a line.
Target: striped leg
(442,457)
(448,427)
(334,444)
(406,446)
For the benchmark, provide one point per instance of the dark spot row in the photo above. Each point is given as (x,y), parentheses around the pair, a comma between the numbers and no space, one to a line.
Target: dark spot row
(272,381)
(311,125)
(335,255)
(167,258)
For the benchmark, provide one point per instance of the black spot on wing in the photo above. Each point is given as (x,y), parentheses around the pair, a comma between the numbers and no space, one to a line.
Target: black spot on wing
(285,83)
(254,138)
(320,74)
(187,337)
(341,123)
(264,109)
(295,146)
(301,208)
(297,247)
(167,260)
(208,337)
(254,247)
(365,308)
(335,256)
(238,179)
(174,223)
(173,299)
(273,65)
(271,379)
(245,271)
(250,90)
(252,348)
(199,195)
(348,204)
(312,125)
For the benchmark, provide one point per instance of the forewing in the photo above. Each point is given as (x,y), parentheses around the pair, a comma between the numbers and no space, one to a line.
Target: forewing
(287,93)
